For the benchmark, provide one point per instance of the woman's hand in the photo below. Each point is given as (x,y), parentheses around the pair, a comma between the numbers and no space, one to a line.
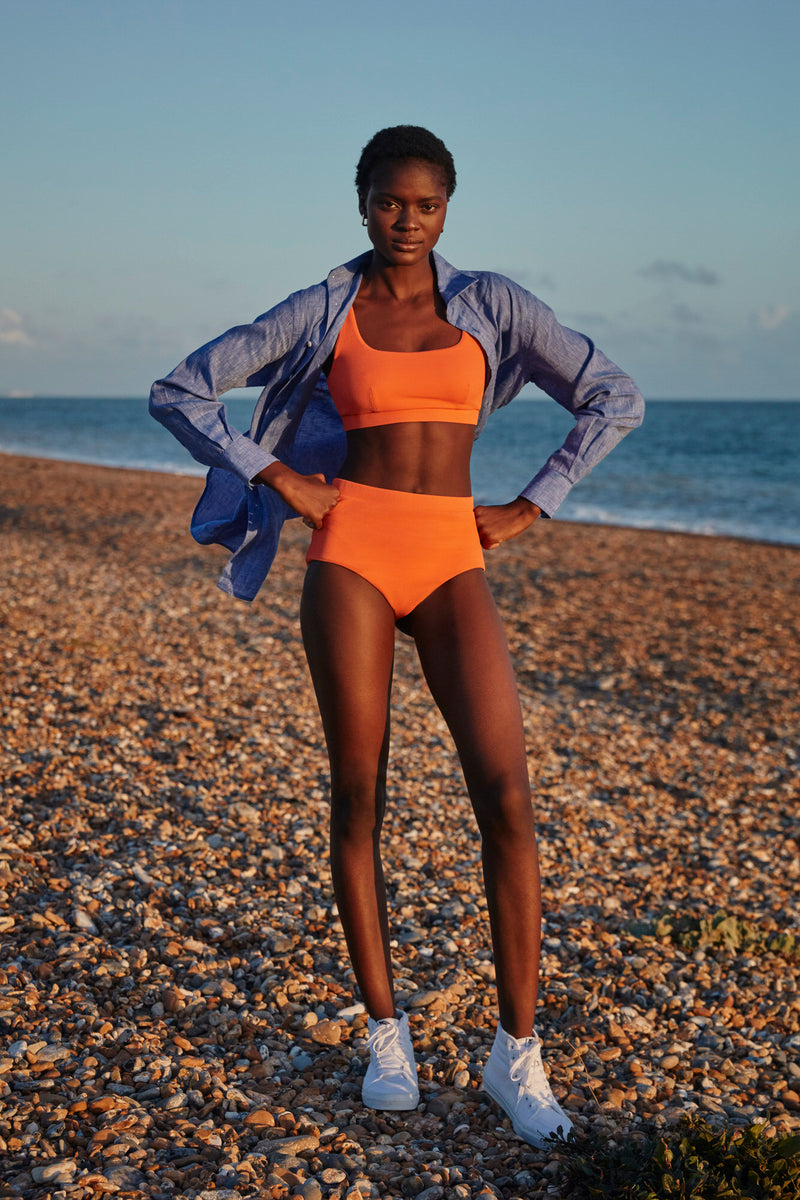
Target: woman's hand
(308,495)
(499,522)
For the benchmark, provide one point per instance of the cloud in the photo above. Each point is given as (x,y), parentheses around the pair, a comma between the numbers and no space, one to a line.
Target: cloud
(685,315)
(669,272)
(772,315)
(11,330)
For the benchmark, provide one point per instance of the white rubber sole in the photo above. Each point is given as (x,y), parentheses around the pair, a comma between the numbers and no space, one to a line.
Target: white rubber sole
(541,1141)
(399,1105)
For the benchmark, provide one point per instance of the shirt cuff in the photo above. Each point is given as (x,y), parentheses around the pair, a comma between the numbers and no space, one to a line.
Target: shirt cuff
(548,490)
(247,458)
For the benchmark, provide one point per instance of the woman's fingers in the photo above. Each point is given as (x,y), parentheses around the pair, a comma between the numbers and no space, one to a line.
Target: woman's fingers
(314,498)
(498,522)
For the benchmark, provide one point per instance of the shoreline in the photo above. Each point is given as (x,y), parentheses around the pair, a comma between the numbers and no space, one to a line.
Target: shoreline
(173,981)
(200,473)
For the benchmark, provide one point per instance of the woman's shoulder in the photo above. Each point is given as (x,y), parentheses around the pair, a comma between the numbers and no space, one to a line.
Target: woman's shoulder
(487,285)
(493,296)
(311,300)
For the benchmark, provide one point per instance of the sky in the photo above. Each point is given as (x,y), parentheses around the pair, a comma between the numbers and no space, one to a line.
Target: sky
(175,167)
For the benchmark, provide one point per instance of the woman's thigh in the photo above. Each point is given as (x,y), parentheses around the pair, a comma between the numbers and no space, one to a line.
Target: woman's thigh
(464,654)
(348,634)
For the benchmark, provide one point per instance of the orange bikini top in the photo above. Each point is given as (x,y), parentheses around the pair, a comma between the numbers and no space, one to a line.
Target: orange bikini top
(384,387)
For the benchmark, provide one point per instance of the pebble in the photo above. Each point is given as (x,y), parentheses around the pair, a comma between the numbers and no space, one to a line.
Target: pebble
(124,1177)
(326,1033)
(59,1171)
(294,1145)
(350,1012)
(332,1175)
(179,1008)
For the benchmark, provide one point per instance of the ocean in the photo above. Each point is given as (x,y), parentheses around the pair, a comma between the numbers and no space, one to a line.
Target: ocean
(698,466)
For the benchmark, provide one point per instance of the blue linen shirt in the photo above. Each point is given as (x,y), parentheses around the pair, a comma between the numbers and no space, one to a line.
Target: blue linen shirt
(296,422)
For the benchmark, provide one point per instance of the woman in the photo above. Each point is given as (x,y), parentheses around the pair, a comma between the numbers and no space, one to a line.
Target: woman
(375,383)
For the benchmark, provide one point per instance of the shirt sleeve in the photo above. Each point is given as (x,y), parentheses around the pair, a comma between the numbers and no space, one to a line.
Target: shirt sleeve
(604,401)
(187,401)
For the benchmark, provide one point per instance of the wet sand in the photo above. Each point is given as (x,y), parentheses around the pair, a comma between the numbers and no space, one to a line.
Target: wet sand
(175,1004)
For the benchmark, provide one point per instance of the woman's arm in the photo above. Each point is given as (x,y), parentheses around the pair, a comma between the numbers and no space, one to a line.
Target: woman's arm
(604,401)
(309,495)
(187,402)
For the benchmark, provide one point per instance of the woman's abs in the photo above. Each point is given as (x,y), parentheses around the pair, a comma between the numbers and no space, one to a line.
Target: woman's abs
(431,457)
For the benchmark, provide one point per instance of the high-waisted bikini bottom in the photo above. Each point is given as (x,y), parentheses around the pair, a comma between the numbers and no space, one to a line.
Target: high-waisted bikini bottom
(406,544)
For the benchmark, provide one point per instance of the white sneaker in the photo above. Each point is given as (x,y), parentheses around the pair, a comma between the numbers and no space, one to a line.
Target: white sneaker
(514,1077)
(391,1079)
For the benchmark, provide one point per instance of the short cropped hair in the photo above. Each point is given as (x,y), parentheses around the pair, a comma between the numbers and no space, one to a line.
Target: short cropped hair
(403,141)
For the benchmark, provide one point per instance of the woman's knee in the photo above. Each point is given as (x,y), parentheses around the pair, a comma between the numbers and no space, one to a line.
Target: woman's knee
(357,811)
(504,812)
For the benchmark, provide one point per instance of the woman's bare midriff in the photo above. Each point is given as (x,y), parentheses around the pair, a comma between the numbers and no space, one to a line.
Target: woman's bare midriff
(431,457)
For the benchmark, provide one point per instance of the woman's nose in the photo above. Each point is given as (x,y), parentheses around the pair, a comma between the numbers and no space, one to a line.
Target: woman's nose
(406,219)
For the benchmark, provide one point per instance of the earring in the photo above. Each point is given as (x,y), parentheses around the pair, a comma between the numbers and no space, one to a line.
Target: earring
(364,221)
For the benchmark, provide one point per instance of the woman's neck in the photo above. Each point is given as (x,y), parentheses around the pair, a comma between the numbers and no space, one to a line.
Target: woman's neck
(400,284)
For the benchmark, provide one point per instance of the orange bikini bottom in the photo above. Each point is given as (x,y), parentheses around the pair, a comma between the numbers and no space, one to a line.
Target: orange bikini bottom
(406,544)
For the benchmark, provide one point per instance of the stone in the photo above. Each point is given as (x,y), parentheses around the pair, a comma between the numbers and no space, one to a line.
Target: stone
(294,1145)
(53,1054)
(350,1013)
(125,1177)
(82,920)
(259,1118)
(60,1170)
(326,1033)
(427,999)
(331,1175)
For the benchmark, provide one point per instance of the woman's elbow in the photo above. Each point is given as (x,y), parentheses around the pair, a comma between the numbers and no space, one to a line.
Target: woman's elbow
(623,403)
(636,405)
(161,400)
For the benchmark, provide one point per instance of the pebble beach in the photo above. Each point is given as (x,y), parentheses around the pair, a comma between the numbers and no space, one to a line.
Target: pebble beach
(177,1016)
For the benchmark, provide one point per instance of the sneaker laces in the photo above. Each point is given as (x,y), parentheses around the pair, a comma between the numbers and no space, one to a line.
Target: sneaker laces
(384,1043)
(528,1072)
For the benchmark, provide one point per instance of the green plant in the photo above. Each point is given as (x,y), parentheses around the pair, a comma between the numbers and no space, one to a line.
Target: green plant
(719,930)
(692,1162)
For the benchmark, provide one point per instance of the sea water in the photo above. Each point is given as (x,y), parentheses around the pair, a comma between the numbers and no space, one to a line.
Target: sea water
(701,466)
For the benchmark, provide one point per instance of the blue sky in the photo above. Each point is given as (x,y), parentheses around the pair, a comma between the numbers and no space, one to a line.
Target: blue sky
(174,168)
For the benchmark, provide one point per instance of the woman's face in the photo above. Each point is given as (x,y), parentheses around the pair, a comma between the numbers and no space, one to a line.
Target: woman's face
(405,208)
